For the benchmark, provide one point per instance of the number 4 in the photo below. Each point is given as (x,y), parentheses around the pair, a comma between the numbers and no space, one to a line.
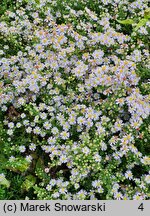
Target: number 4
(141,207)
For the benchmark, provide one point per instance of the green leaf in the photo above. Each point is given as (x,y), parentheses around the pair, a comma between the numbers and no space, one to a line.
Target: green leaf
(19,165)
(30,108)
(5,182)
(126,22)
(40,170)
(141,23)
(29,182)
(2,159)
(147,13)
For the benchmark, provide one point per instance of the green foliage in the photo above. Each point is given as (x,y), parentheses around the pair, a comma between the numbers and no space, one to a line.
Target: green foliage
(5,182)
(19,165)
(39,170)
(29,182)
(141,23)
(7,5)
(126,22)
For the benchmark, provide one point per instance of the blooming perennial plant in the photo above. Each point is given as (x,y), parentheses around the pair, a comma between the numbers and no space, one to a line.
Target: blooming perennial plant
(74,100)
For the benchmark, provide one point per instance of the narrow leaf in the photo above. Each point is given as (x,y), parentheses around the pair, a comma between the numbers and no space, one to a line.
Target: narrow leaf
(5,182)
(126,22)
(140,24)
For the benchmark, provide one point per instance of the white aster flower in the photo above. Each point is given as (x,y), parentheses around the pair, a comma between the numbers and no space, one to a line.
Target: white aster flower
(129,175)
(86,150)
(64,135)
(11,125)
(22,149)
(147,179)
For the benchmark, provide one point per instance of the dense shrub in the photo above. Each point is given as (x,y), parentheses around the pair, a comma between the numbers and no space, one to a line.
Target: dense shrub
(74,99)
